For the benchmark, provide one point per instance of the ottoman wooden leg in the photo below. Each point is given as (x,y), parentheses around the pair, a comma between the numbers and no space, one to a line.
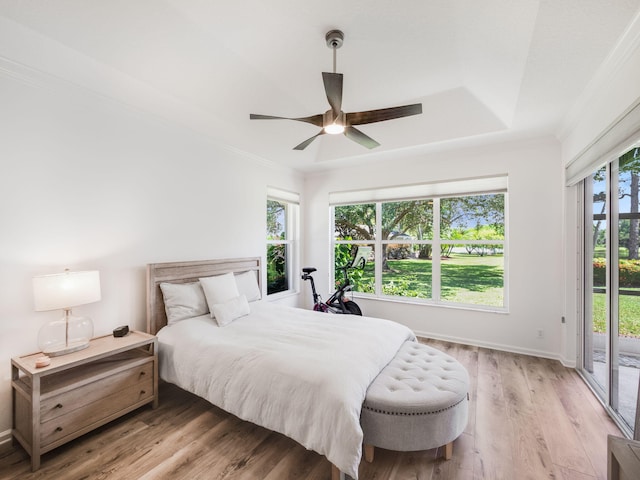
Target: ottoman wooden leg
(448,451)
(368,453)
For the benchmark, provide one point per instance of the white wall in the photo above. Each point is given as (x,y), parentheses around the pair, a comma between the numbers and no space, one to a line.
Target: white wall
(87,183)
(535,242)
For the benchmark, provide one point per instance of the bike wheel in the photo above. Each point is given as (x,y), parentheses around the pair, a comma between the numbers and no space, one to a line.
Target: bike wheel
(353,308)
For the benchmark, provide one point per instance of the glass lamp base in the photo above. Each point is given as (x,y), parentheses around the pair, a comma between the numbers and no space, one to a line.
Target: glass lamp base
(65,335)
(54,352)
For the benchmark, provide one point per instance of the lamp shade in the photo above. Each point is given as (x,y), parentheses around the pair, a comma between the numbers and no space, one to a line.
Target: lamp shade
(65,290)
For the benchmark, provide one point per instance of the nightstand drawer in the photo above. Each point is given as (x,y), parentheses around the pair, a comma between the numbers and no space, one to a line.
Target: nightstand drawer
(68,401)
(95,412)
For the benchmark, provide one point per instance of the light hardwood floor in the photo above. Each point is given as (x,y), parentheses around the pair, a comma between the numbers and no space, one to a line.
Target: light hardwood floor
(530,418)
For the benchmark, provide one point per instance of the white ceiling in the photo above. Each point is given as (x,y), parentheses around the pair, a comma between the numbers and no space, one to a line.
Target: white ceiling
(498,68)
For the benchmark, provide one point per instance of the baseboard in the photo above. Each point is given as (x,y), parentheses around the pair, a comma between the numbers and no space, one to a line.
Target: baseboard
(498,346)
(5,441)
(568,363)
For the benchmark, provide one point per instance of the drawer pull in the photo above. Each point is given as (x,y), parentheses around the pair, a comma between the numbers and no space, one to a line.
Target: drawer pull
(142,374)
(142,392)
(58,429)
(58,406)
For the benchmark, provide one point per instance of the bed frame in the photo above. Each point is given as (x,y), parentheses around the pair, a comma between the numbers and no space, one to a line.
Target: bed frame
(184,272)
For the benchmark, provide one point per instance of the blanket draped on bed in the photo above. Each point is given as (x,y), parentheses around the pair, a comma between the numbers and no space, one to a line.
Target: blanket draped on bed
(298,372)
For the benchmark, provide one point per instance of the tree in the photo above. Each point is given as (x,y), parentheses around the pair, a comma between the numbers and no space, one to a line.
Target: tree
(276,253)
(413,219)
(276,214)
(628,186)
(629,163)
(633,223)
(399,219)
(599,197)
(472,211)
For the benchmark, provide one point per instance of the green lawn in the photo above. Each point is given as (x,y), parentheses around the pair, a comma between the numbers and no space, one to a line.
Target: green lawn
(476,280)
(629,314)
(629,305)
(470,279)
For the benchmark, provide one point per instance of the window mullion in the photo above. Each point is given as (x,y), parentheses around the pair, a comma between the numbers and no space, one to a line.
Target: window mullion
(435,252)
(378,250)
(613,225)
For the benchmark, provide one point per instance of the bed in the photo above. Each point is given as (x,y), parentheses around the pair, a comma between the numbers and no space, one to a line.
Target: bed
(298,372)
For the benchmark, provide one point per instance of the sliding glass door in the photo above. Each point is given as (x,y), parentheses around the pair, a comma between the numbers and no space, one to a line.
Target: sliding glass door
(611,320)
(595,305)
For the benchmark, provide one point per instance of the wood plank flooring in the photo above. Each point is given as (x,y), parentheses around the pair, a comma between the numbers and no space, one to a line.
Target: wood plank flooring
(529,418)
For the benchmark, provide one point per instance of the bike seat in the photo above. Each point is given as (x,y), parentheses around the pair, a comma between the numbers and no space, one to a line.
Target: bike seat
(309,269)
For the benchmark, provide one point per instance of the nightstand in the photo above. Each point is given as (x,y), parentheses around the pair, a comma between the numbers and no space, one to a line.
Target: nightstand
(81,391)
(623,458)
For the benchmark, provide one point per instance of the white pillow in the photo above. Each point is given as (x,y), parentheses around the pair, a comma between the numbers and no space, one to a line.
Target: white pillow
(183,300)
(227,312)
(219,289)
(247,283)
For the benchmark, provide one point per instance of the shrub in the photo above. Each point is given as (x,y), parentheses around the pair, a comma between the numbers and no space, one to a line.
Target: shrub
(344,253)
(398,251)
(402,287)
(628,273)
(599,272)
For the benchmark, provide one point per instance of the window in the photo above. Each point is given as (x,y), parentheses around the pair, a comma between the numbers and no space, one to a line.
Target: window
(466,233)
(282,219)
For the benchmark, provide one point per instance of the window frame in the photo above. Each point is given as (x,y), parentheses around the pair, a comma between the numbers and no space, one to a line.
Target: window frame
(436,242)
(291,241)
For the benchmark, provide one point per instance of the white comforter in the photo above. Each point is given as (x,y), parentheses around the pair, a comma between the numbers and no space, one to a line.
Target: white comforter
(298,372)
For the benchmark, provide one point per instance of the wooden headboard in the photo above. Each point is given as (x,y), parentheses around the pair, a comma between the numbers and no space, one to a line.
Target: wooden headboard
(184,272)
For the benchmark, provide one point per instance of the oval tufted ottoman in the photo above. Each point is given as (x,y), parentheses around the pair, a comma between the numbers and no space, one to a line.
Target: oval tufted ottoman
(418,401)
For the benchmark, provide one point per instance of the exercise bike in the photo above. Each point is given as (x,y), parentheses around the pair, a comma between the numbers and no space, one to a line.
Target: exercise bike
(337,302)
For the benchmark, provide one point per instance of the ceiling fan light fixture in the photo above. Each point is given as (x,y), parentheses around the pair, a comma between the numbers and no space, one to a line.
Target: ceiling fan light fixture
(334,129)
(333,125)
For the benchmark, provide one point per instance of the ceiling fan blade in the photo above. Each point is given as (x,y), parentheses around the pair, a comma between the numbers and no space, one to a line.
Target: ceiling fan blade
(357,136)
(313,119)
(371,116)
(308,141)
(333,88)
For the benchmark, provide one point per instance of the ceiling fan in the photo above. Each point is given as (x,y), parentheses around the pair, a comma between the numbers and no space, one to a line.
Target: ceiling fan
(334,120)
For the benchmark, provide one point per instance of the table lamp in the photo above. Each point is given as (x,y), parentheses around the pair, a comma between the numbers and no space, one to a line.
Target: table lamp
(63,291)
